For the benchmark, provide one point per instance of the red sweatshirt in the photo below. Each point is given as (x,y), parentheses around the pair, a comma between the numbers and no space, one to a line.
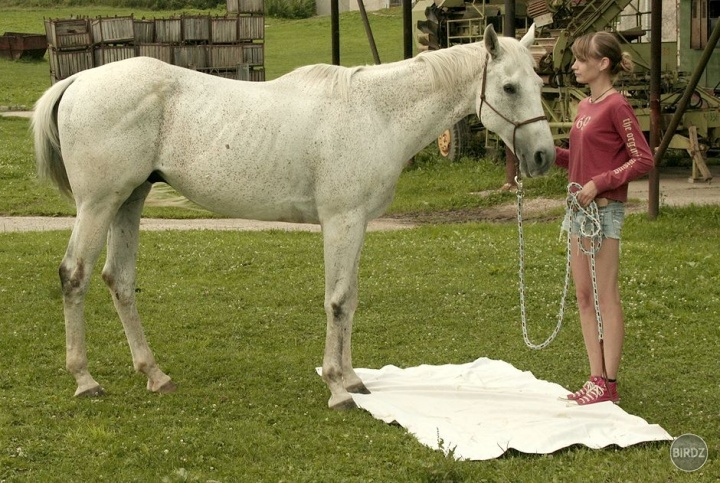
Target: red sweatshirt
(606,146)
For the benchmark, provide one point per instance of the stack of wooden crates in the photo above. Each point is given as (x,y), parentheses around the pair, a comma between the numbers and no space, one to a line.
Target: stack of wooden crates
(231,46)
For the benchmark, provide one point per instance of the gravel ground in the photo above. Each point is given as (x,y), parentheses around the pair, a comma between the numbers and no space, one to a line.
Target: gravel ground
(39,223)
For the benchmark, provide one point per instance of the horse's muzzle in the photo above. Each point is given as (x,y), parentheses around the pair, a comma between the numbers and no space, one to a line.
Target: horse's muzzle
(542,159)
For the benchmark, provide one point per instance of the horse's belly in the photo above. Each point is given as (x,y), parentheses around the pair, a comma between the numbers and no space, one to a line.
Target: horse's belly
(290,210)
(251,194)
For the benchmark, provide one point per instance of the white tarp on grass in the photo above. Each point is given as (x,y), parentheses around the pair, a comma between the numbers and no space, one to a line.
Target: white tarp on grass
(481,409)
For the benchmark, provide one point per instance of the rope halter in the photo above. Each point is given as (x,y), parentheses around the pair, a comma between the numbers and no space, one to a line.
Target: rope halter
(484,101)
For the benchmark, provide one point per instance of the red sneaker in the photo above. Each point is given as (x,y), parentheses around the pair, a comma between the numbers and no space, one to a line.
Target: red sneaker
(581,392)
(596,393)
(613,392)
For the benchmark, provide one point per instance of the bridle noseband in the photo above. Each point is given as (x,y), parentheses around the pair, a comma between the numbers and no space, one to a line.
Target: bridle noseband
(484,101)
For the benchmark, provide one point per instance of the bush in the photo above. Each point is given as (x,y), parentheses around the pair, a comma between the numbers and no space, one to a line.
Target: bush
(290,8)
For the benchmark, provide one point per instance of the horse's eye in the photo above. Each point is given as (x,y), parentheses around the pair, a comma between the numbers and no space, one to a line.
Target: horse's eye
(509,89)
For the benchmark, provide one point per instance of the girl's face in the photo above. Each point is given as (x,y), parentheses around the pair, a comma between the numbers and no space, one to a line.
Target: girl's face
(589,69)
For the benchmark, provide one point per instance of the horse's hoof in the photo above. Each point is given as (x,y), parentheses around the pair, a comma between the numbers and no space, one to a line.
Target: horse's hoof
(166,388)
(342,404)
(358,388)
(94,391)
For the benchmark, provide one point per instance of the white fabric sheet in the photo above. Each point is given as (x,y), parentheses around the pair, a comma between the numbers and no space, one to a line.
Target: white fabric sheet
(479,410)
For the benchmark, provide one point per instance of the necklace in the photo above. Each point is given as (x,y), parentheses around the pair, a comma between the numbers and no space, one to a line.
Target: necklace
(593,101)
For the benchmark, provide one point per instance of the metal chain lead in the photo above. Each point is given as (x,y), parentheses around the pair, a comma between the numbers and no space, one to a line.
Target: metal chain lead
(590,228)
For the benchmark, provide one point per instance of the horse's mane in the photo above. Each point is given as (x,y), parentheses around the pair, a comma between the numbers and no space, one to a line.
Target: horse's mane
(333,77)
(446,65)
(443,66)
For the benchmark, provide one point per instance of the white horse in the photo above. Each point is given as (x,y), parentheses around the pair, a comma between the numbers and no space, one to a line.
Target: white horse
(322,144)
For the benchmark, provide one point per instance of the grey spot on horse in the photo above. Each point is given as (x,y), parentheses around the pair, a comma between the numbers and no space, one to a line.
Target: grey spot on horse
(71,280)
(337,310)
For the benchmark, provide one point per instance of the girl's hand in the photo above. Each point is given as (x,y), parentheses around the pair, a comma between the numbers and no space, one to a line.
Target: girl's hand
(587,194)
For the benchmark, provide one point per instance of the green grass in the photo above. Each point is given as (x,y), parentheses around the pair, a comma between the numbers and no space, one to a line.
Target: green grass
(237,320)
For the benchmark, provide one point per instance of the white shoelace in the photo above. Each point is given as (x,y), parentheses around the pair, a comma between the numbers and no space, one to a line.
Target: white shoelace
(593,392)
(583,390)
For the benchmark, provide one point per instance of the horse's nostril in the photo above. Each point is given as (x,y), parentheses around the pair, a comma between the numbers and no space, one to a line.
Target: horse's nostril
(539,158)
(543,159)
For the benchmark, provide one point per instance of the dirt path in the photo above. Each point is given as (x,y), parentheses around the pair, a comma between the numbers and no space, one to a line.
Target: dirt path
(39,223)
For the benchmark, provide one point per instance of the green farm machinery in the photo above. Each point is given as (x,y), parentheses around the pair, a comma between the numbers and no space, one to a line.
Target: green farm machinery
(685,33)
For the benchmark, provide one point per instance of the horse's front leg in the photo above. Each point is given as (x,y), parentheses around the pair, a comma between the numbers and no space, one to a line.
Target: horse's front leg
(343,237)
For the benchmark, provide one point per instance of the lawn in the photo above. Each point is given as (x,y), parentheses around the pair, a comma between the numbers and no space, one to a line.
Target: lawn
(237,320)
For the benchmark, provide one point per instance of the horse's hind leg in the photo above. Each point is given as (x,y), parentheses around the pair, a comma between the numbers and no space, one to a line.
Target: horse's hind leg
(119,275)
(343,238)
(86,242)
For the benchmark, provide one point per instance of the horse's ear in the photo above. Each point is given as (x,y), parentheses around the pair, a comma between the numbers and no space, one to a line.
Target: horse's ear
(492,44)
(529,37)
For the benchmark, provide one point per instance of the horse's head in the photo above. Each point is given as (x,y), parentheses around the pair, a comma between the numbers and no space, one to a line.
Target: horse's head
(509,101)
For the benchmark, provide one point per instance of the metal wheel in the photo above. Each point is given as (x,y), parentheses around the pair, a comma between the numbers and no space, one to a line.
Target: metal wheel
(452,142)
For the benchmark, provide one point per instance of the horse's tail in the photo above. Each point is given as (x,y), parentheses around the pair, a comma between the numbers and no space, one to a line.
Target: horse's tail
(48,156)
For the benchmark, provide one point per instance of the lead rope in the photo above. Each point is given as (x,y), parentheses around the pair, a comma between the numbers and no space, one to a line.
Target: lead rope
(591,229)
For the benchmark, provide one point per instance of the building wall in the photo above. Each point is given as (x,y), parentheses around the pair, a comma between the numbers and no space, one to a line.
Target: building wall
(677,52)
(689,57)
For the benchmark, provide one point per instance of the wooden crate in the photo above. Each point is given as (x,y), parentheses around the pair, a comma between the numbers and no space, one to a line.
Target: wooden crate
(104,54)
(257,74)
(242,72)
(112,30)
(225,74)
(196,28)
(245,6)
(224,56)
(251,28)
(223,30)
(251,73)
(68,34)
(251,6)
(15,45)
(144,31)
(190,56)
(162,52)
(253,54)
(168,30)
(63,64)
(48,31)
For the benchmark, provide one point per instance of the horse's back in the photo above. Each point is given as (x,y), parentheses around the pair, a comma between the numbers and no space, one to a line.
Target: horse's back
(270,150)
(223,143)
